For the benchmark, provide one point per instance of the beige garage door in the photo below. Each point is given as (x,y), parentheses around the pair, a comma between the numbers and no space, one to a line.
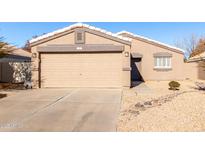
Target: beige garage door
(81,70)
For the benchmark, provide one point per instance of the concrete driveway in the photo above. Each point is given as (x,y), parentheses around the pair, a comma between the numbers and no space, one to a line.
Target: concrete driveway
(60,110)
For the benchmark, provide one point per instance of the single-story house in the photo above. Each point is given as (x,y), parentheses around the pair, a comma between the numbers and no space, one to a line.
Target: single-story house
(13,65)
(85,56)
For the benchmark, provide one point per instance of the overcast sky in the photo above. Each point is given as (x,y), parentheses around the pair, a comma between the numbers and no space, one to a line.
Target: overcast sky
(18,33)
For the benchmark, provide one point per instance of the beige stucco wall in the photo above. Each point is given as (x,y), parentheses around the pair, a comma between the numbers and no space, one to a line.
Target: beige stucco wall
(194,70)
(89,39)
(201,70)
(147,67)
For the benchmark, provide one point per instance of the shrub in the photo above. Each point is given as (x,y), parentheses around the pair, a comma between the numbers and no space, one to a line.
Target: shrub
(174,85)
(3,95)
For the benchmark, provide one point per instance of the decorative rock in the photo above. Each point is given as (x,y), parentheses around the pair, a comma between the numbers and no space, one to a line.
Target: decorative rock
(148,103)
(134,112)
(157,102)
(200,85)
(138,105)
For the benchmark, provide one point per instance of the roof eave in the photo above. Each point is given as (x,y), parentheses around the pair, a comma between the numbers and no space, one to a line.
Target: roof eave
(196,59)
(71,28)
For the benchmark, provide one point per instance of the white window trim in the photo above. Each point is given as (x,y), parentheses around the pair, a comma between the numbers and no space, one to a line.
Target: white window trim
(159,61)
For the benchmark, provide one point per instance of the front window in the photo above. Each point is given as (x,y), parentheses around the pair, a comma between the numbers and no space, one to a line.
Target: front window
(162,62)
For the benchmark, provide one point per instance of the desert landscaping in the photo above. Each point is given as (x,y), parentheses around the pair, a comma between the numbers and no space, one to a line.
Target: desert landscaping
(153,107)
(141,83)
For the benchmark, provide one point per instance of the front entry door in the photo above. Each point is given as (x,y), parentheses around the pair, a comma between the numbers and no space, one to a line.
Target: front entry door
(136,69)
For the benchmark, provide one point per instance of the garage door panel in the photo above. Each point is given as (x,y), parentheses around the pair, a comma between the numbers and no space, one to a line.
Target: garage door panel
(81,70)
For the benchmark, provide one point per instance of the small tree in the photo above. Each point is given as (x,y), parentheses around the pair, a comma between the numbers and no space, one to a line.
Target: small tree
(4,47)
(189,44)
(27,46)
(200,47)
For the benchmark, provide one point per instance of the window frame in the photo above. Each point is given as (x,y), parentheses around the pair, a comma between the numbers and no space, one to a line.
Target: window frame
(76,37)
(162,62)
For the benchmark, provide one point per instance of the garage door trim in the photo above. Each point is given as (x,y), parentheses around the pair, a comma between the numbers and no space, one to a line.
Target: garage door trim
(81,48)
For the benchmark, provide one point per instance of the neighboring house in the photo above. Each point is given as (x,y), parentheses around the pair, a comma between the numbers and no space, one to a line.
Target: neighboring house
(197,58)
(198,61)
(14,65)
(85,56)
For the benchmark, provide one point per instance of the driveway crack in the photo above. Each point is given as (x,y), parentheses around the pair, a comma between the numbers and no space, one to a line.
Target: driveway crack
(83,120)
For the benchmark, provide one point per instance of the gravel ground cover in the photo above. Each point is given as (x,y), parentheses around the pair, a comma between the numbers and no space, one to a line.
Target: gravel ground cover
(162,109)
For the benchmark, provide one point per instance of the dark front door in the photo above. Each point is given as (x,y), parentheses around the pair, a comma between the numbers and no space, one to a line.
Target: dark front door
(136,68)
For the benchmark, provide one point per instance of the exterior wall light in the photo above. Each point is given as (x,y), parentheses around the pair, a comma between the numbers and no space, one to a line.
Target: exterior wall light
(79,48)
(126,54)
(34,55)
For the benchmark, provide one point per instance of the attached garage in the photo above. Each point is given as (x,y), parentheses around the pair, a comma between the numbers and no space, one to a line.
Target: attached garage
(81,70)
(80,56)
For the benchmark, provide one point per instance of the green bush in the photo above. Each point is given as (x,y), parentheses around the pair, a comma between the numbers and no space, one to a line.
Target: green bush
(174,85)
